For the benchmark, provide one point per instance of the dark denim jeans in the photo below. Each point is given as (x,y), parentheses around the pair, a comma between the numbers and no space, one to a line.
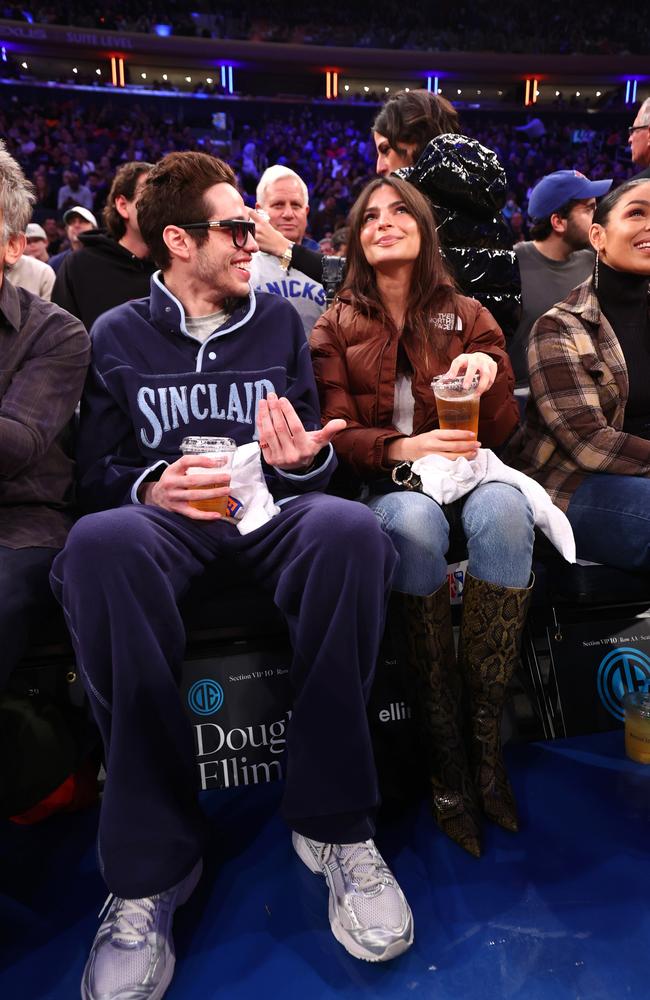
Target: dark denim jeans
(610,517)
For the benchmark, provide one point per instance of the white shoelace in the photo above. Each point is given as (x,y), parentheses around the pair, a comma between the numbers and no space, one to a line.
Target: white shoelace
(136,910)
(356,856)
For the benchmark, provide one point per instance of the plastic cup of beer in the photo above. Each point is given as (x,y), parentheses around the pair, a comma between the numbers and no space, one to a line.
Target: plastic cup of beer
(637,726)
(457,406)
(222,449)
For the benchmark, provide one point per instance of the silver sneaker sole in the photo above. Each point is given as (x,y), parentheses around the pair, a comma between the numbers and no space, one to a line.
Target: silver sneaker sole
(341,934)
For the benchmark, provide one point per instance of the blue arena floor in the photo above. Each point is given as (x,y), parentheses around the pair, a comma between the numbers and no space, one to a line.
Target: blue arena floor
(559,911)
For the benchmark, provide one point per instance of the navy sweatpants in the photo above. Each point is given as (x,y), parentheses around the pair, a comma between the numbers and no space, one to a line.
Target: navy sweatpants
(119,579)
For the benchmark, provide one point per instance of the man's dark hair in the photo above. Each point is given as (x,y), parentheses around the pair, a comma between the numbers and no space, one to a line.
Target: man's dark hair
(415,116)
(541,229)
(173,196)
(124,184)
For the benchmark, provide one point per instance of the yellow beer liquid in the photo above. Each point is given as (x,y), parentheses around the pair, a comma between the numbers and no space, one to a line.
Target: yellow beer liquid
(458,414)
(637,737)
(217,504)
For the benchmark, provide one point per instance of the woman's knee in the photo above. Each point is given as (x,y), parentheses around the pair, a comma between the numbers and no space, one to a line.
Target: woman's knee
(420,533)
(502,513)
(413,519)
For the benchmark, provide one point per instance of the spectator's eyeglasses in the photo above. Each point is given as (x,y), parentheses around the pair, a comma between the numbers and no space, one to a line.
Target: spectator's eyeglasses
(635,128)
(240,229)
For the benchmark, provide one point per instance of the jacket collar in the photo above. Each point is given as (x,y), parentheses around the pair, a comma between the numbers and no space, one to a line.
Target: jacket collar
(168,314)
(10,304)
(583,301)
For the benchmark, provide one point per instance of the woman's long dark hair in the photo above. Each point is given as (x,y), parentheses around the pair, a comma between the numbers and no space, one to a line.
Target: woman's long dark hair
(432,286)
(416,116)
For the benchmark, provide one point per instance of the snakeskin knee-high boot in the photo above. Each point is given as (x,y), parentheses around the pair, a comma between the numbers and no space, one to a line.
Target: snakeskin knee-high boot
(490,640)
(432,660)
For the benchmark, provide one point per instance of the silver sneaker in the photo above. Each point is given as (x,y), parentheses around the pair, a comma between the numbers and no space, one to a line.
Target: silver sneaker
(132,957)
(368,911)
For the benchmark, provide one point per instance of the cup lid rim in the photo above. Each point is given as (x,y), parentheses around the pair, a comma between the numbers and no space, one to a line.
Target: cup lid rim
(454,379)
(640,700)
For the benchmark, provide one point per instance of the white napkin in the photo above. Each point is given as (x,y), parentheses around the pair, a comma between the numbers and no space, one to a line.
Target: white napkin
(250,504)
(446,480)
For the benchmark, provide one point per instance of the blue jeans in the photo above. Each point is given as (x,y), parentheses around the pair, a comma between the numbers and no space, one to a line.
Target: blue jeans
(610,517)
(497,522)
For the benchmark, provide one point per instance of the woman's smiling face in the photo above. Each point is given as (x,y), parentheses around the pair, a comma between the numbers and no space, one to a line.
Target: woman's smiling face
(624,241)
(389,233)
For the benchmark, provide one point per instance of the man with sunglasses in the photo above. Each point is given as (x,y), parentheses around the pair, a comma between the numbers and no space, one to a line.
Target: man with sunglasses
(206,355)
(639,139)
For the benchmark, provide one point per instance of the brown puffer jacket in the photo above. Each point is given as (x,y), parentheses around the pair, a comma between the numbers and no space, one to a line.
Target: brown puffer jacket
(355,361)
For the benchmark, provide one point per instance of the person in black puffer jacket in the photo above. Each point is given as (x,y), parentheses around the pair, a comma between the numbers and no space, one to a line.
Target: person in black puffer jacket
(417,137)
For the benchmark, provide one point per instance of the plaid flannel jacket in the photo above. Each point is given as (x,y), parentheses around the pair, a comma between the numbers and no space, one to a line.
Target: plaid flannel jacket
(578,391)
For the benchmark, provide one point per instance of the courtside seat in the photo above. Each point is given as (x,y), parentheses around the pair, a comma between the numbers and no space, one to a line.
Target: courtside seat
(587,583)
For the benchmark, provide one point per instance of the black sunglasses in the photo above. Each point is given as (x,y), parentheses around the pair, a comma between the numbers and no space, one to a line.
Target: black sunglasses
(636,128)
(240,229)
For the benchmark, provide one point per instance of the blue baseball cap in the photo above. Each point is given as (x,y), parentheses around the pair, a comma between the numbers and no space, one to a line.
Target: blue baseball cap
(555,190)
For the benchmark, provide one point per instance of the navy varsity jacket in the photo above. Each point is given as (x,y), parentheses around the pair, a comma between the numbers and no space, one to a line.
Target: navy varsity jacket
(150,385)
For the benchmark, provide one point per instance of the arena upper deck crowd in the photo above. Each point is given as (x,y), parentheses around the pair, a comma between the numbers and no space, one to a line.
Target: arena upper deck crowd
(479,26)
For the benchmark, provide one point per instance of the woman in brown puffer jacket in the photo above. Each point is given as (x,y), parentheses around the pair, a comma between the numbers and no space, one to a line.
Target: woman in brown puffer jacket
(398,322)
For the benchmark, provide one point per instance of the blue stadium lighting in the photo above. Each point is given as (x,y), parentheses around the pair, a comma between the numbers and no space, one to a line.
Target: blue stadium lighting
(163,30)
(433,84)
(230,83)
(28,17)
(223,77)
(630,91)
(3,52)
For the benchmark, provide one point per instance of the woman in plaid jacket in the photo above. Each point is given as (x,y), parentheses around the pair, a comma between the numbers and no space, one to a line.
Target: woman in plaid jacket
(587,433)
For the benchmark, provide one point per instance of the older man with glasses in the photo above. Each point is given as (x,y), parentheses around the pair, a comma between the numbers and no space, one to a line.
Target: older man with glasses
(206,355)
(639,139)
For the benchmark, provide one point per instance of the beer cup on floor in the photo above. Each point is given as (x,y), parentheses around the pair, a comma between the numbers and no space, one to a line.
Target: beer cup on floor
(220,448)
(637,726)
(457,406)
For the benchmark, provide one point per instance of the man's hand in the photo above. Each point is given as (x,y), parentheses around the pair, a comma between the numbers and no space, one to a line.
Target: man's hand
(175,489)
(268,239)
(284,441)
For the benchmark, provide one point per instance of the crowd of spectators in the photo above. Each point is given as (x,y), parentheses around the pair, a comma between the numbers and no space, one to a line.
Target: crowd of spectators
(71,153)
(447,25)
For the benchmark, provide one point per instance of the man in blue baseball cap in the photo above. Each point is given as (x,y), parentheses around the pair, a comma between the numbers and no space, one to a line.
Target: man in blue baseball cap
(558,256)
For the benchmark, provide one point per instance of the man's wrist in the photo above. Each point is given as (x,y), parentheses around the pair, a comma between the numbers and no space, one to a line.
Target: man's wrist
(297,470)
(285,257)
(145,491)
